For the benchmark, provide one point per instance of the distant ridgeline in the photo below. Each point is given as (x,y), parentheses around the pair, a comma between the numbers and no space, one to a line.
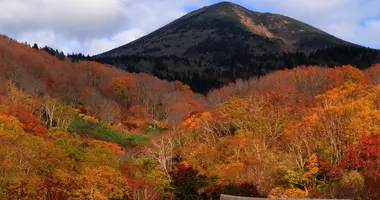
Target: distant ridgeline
(75,57)
(217,44)
(204,74)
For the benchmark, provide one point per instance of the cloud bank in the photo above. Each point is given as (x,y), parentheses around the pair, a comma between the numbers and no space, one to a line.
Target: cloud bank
(89,26)
(357,21)
(95,26)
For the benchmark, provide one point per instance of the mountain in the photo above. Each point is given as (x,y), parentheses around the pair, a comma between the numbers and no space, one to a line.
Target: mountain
(220,43)
(74,129)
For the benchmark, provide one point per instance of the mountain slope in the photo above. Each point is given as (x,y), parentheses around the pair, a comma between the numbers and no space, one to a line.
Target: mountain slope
(93,88)
(228,23)
(216,44)
(62,121)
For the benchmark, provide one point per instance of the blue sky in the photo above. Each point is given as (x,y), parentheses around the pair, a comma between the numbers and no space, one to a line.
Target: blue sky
(95,26)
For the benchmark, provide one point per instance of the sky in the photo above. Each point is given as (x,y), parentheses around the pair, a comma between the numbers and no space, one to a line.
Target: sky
(95,26)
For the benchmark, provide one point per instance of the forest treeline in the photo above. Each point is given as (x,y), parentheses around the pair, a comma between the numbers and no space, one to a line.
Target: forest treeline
(215,68)
(84,130)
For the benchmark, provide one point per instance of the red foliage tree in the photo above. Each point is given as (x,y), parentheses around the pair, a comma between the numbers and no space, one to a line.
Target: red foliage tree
(136,116)
(30,122)
(53,188)
(187,182)
(363,157)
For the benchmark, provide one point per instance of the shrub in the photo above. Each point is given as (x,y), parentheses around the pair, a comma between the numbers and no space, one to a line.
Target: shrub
(99,133)
(187,182)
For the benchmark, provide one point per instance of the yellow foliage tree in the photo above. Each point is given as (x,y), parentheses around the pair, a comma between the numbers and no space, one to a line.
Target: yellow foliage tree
(280,192)
(102,183)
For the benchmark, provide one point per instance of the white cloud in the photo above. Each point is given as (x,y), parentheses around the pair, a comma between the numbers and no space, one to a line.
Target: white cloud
(89,26)
(71,17)
(42,37)
(347,19)
(95,26)
(102,45)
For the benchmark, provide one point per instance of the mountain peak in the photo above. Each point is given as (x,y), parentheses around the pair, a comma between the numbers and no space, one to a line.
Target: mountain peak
(226,5)
(226,22)
(223,4)
(216,40)
(224,9)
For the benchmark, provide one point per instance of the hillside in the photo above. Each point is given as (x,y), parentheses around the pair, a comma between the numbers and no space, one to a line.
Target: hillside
(218,44)
(65,126)
(88,86)
(84,130)
(231,26)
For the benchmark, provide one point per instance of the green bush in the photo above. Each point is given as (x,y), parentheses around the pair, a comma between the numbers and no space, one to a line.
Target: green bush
(82,128)
(85,129)
(137,138)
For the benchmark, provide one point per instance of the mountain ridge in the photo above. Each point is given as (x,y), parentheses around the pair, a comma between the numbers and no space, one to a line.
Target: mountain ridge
(242,16)
(217,44)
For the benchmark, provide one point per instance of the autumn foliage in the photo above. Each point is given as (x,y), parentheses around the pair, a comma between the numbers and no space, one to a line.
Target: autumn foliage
(83,130)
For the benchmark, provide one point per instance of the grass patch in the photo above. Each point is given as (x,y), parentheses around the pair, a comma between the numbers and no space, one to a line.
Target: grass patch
(85,129)
(138,138)
(97,132)
(153,129)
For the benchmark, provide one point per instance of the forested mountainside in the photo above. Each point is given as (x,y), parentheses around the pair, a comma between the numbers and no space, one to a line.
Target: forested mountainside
(83,130)
(204,77)
(218,44)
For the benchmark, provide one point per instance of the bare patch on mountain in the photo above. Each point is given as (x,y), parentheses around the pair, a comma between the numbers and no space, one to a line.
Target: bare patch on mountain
(252,26)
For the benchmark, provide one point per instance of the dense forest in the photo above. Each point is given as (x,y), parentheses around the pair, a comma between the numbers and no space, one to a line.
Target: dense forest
(204,73)
(83,130)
